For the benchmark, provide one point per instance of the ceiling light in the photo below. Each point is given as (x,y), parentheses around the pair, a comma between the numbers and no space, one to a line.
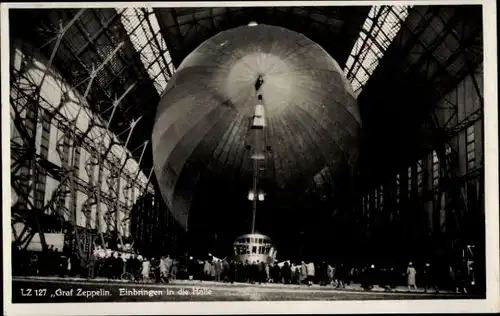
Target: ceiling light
(251,196)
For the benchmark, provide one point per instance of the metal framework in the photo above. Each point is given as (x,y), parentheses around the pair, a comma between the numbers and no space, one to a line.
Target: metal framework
(30,164)
(333,28)
(128,47)
(121,60)
(144,31)
(444,60)
(379,29)
(452,195)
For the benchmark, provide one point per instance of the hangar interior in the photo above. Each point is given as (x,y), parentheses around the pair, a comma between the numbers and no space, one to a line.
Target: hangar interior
(86,83)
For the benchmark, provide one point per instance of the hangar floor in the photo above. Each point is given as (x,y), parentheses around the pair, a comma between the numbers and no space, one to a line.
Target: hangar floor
(50,289)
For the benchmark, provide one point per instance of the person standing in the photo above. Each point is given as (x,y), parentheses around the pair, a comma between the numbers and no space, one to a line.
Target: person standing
(155,268)
(108,270)
(341,276)
(276,273)
(91,267)
(262,272)
(212,270)
(69,266)
(119,266)
(462,276)
(297,274)
(240,272)
(293,269)
(206,270)
(232,271)
(254,272)
(350,276)
(393,277)
(163,269)
(330,274)
(268,272)
(173,270)
(429,275)
(286,272)
(303,272)
(385,279)
(323,277)
(35,264)
(146,265)
(218,270)
(133,267)
(411,274)
(192,271)
(311,272)
(168,265)
(224,270)
(246,271)
(368,277)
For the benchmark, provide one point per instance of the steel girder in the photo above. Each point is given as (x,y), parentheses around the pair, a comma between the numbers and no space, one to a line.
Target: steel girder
(183,37)
(87,44)
(27,98)
(435,81)
(423,77)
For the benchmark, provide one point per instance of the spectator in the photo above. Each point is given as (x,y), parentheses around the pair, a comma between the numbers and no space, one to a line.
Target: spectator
(218,270)
(311,272)
(462,277)
(368,277)
(146,266)
(429,277)
(173,270)
(286,271)
(411,277)
(92,265)
(69,266)
(303,272)
(206,270)
(293,270)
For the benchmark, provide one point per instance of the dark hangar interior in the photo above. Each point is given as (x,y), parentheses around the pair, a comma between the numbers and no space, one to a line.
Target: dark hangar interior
(417,189)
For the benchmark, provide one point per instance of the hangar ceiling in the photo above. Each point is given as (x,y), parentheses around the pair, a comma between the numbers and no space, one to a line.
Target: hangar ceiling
(141,47)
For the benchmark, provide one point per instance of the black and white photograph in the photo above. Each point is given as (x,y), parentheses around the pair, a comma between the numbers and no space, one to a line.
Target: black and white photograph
(264,152)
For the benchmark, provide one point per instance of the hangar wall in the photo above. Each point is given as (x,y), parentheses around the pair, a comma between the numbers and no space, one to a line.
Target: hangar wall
(60,179)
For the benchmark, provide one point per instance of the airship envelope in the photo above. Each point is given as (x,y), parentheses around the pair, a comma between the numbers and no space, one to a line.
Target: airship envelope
(203,119)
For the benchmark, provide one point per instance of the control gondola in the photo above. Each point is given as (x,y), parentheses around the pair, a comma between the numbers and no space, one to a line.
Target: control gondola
(254,248)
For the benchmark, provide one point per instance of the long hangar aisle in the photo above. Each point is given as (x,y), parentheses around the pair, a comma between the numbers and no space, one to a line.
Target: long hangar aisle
(256,153)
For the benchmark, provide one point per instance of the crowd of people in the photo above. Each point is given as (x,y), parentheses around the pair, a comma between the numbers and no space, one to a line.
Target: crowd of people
(138,268)
(340,275)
